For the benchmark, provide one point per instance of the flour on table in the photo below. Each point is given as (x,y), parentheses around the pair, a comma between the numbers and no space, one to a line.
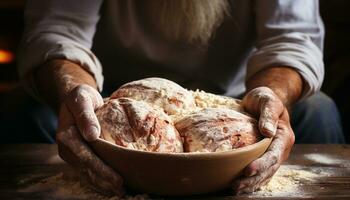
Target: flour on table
(62,186)
(323,159)
(288,181)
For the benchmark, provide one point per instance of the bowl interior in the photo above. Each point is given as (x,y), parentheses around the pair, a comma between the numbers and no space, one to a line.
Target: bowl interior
(178,173)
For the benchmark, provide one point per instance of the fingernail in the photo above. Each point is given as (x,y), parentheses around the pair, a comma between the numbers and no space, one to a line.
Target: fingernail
(252,173)
(270,127)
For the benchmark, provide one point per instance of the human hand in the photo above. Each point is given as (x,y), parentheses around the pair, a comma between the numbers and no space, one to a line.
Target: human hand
(77,124)
(274,122)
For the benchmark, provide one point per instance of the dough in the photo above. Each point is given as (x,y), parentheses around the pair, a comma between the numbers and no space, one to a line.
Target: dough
(163,93)
(137,125)
(141,115)
(217,129)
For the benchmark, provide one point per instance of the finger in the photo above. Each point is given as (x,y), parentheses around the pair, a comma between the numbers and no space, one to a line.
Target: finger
(279,146)
(82,105)
(265,166)
(261,164)
(100,184)
(65,119)
(251,184)
(265,182)
(254,183)
(286,134)
(88,160)
(264,104)
(65,153)
(270,110)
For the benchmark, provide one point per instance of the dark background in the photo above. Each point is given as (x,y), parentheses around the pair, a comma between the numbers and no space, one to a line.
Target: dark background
(335,13)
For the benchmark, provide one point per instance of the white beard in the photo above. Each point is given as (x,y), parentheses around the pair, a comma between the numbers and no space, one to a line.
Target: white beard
(188,21)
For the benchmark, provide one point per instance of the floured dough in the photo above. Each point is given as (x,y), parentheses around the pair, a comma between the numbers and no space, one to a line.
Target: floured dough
(217,129)
(138,125)
(158,115)
(163,93)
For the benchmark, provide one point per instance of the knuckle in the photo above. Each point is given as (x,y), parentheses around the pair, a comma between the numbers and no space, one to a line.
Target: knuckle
(266,98)
(72,99)
(76,91)
(65,136)
(268,160)
(80,88)
(258,165)
(79,94)
(271,171)
(274,158)
(274,169)
(252,166)
(82,96)
(60,136)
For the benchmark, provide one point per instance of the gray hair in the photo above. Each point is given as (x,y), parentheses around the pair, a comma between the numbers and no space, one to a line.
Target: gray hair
(190,21)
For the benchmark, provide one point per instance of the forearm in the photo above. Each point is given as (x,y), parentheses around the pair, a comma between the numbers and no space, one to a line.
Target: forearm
(56,78)
(286,83)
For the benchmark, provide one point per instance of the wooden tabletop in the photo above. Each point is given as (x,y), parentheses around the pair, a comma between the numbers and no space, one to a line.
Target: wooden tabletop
(25,163)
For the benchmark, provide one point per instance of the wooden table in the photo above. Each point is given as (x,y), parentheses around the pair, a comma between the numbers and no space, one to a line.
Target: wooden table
(23,162)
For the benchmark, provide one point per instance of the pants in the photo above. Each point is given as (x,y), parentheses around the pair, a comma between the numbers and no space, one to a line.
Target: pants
(314,120)
(317,120)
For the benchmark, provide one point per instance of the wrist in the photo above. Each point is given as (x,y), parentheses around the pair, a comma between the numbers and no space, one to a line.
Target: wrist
(285,82)
(57,78)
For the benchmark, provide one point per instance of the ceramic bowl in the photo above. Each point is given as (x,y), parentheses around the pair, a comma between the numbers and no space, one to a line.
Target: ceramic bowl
(178,173)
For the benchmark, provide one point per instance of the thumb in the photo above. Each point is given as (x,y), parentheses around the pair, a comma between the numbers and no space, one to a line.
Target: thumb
(270,111)
(82,104)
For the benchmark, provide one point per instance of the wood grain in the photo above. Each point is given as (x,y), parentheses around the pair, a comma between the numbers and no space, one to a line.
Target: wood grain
(27,163)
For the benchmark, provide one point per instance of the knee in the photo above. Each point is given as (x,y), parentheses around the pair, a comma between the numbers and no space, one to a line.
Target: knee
(316,120)
(319,104)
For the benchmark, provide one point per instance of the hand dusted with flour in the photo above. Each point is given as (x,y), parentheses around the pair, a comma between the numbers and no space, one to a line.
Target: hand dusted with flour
(274,121)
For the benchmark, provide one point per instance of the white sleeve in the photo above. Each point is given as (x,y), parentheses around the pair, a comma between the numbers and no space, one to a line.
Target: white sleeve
(59,29)
(290,33)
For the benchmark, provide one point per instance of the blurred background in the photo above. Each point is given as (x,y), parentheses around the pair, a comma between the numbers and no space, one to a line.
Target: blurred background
(335,14)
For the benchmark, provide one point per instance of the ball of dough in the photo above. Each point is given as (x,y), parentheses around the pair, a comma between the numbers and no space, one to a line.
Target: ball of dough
(137,125)
(217,129)
(163,93)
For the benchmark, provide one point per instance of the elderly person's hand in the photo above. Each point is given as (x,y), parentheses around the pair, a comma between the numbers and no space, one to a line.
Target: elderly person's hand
(78,124)
(71,91)
(263,103)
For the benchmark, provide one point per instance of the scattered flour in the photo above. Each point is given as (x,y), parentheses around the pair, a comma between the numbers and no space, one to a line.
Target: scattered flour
(323,159)
(288,181)
(63,186)
(208,100)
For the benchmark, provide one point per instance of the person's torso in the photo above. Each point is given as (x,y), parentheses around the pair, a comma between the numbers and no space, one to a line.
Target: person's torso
(129,50)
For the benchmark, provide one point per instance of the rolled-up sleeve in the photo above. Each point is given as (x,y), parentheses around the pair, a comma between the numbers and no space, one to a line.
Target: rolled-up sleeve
(59,29)
(289,33)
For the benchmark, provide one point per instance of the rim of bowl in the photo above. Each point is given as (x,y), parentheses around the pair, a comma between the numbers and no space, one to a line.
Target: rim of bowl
(188,154)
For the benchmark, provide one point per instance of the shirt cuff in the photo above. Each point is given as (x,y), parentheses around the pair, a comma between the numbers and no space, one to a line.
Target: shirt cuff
(80,55)
(55,47)
(293,50)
